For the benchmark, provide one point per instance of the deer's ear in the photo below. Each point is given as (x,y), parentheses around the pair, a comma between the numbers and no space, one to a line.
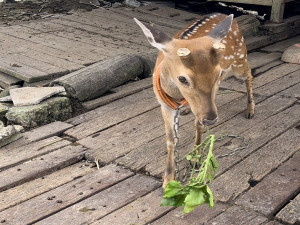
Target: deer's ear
(157,38)
(221,30)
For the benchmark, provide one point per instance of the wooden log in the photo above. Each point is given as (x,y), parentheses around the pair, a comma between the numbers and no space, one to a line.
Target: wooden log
(249,25)
(95,80)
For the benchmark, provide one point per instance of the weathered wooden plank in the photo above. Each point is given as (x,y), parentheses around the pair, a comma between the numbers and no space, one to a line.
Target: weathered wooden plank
(260,70)
(46,131)
(141,211)
(243,127)
(27,46)
(151,156)
(119,93)
(200,215)
(105,202)
(275,190)
(279,84)
(292,92)
(233,126)
(155,19)
(51,40)
(144,102)
(168,12)
(51,129)
(238,216)
(265,78)
(102,144)
(22,72)
(57,199)
(28,190)
(11,157)
(145,93)
(238,179)
(282,45)
(112,143)
(108,45)
(7,80)
(40,166)
(273,223)
(290,214)
(258,59)
(102,29)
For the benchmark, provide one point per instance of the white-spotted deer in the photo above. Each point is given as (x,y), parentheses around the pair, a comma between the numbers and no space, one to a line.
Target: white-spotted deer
(189,69)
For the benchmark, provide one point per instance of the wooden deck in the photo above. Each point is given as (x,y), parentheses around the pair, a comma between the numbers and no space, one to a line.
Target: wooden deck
(46,178)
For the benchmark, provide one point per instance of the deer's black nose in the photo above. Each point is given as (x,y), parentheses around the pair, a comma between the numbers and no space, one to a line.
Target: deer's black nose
(206,122)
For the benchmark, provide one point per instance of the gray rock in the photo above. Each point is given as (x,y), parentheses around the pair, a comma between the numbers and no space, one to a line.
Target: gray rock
(9,134)
(292,54)
(5,92)
(33,95)
(50,110)
(3,110)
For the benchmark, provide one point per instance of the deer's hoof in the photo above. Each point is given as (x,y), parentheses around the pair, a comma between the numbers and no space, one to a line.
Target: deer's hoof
(249,115)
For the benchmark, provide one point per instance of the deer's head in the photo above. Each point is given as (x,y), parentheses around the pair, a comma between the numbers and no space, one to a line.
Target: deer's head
(192,66)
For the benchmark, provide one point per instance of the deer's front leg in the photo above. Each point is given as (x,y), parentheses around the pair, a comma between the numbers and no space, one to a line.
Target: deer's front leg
(250,103)
(199,131)
(168,116)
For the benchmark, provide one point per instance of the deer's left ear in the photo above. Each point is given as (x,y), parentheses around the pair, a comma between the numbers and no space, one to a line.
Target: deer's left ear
(157,38)
(221,30)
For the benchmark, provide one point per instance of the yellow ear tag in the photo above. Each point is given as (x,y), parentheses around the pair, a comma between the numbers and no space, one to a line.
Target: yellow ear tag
(183,52)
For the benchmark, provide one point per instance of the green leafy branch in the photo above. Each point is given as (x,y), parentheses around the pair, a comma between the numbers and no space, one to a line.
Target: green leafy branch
(196,192)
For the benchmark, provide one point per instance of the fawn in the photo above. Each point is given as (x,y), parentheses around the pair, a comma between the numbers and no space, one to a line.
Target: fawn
(189,68)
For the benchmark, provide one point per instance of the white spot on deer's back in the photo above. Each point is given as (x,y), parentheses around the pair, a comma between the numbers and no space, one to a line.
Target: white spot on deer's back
(206,31)
(242,56)
(240,44)
(235,33)
(223,41)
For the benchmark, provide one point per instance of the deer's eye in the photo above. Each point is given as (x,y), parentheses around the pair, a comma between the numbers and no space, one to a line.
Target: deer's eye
(183,80)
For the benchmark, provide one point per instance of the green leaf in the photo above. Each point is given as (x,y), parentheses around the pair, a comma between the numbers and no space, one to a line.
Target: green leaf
(214,162)
(209,197)
(174,201)
(173,188)
(195,198)
(189,157)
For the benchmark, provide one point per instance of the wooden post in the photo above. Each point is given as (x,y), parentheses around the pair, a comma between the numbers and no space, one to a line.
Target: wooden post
(277,11)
